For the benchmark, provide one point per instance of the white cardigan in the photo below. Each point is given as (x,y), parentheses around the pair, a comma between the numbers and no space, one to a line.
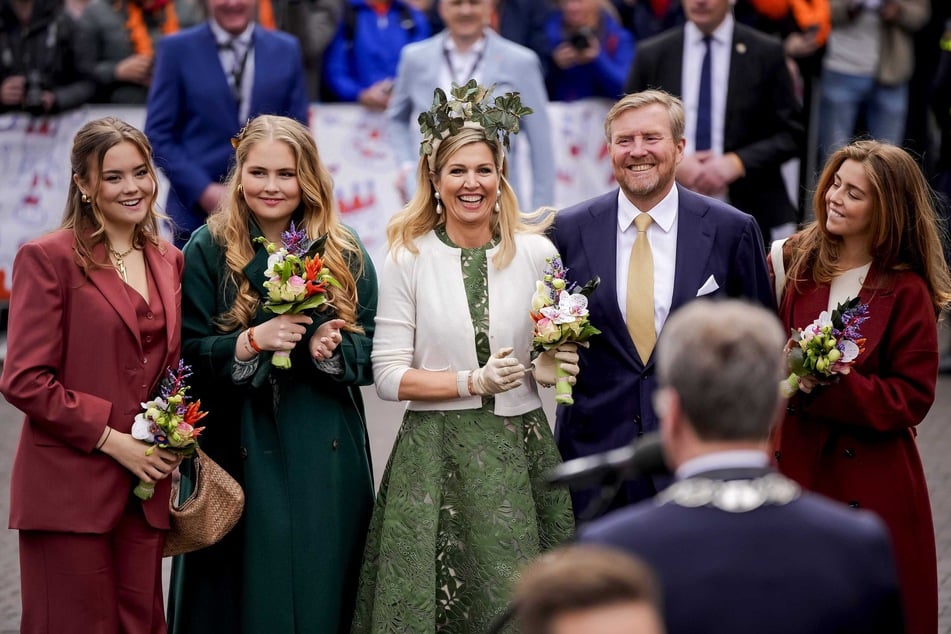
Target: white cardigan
(423,318)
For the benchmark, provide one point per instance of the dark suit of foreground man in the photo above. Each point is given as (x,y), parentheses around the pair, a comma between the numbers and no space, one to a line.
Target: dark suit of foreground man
(738,548)
(700,247)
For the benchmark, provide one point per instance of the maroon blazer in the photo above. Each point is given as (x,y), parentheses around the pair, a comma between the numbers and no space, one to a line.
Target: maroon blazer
(854,440)
(74,365)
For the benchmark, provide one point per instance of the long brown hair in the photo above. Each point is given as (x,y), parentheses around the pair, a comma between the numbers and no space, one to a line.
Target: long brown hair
(229,225)
(419,216)
(85,219)
(905,233)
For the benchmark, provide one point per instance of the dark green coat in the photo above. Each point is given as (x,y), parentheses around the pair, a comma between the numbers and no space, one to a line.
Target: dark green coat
(296,439)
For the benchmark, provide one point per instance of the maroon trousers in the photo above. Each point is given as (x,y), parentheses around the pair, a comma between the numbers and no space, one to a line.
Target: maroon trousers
(93,584)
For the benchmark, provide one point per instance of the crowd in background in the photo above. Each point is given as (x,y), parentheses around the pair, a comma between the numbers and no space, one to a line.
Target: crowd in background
(857,65)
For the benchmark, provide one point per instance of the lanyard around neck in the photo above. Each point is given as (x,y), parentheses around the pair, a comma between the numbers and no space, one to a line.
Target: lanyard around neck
(452,68)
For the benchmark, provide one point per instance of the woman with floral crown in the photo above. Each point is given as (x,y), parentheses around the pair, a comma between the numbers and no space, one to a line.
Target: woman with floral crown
(463,502)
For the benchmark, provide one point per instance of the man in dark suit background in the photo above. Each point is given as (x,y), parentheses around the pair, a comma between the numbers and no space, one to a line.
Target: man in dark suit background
(698,246)
(738,548)
(208,81)
(742,123)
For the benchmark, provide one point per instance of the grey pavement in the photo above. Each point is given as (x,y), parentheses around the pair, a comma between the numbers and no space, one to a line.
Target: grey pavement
(384,418)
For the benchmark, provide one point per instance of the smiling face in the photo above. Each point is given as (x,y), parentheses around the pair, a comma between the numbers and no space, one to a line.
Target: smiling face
(644,154)
(125,187)
(465,19)
(269,184)
(233,16)
(849,203)
(468,184)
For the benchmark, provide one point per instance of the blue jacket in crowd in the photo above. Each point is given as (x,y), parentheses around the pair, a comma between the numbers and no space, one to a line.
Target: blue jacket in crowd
(604,77)
(366,48)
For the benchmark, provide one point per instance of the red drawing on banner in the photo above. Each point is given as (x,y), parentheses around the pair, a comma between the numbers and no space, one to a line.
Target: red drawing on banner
(356,202)
(4,291)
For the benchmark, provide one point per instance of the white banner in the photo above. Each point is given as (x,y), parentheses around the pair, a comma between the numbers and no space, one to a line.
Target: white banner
(35,172)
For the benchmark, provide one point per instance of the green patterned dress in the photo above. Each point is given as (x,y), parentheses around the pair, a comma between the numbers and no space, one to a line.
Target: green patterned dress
(461,508)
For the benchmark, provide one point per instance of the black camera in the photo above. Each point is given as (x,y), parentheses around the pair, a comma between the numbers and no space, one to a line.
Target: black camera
(580,40)
(33,93)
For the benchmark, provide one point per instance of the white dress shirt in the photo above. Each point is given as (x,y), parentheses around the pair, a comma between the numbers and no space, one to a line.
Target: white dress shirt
(733,459)
(458,67)
(694,50)
(231,50)
(662,236)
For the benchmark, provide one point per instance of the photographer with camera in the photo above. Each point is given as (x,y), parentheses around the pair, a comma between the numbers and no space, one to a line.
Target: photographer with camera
(43,68)
(590,51)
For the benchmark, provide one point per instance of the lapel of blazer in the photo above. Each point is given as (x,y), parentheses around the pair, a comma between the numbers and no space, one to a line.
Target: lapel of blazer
(599,241)
(740,69)
(261,49)
(112,288)
(427,74)
(209,70)
(695,238)
(164,276)
(672,65)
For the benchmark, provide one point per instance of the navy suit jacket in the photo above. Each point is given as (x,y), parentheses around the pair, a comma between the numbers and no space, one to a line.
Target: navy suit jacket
(808,566)
(763,123)
(191,113)
(613,394)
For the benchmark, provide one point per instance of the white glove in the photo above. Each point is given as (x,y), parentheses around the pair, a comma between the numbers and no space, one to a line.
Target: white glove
(545,364)
(499,374)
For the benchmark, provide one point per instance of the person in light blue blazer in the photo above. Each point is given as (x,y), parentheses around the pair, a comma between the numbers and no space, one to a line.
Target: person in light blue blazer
(469,49)
(208,81)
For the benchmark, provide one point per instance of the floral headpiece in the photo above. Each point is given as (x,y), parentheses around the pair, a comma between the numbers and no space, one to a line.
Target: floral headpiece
(236,139)
(469,104)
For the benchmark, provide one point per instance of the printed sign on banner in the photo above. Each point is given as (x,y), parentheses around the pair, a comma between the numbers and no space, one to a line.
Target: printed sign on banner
(35,172)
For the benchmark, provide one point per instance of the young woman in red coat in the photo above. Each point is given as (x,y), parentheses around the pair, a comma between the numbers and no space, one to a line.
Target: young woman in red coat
(94,321)
(875,235)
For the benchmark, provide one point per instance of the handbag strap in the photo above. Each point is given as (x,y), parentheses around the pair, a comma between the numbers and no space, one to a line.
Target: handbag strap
(779,268)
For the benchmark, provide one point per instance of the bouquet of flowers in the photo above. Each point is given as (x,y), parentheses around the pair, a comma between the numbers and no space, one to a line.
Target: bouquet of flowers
(168,421)
(827,347)
(297,280)
(560,314)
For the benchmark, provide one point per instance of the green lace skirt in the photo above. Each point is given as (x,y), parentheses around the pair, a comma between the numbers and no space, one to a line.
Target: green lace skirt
(462,507)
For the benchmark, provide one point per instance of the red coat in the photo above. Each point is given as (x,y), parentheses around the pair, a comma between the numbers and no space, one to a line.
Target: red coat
(854,441)
(74,365)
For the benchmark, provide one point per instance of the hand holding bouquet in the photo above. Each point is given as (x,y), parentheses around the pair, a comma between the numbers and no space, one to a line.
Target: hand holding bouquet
(827,347)
(168,421)
(560,314)
(297,280)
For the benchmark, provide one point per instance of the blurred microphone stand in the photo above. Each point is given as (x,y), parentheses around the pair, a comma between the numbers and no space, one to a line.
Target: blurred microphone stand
(608,471)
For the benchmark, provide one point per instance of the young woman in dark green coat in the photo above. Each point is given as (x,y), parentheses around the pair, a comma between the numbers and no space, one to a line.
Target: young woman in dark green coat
(295,438)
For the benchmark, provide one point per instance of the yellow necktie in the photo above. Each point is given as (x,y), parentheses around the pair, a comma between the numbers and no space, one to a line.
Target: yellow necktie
(640,291)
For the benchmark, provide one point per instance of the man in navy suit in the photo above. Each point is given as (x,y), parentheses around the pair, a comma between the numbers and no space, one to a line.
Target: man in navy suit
(753,121)
(208,81)
(699,247)
(737,547)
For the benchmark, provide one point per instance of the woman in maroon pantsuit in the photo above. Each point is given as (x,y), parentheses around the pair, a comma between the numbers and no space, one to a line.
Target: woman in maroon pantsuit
(94,321)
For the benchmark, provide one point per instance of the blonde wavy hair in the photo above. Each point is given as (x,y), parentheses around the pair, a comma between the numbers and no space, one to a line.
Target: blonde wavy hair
(229,224)
(85,219)
(419,216)
(905,234)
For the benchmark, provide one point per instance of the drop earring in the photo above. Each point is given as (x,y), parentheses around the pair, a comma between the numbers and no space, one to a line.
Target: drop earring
(498,197)
(438,204)
(84,198)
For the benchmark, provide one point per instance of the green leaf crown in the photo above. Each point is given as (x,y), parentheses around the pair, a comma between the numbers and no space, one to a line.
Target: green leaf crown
(470,103)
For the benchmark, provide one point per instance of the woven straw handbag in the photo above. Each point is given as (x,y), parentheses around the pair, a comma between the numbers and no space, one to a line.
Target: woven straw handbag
(212,509)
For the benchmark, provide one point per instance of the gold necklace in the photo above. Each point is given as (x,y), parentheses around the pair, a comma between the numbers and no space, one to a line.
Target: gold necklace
(120,264)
